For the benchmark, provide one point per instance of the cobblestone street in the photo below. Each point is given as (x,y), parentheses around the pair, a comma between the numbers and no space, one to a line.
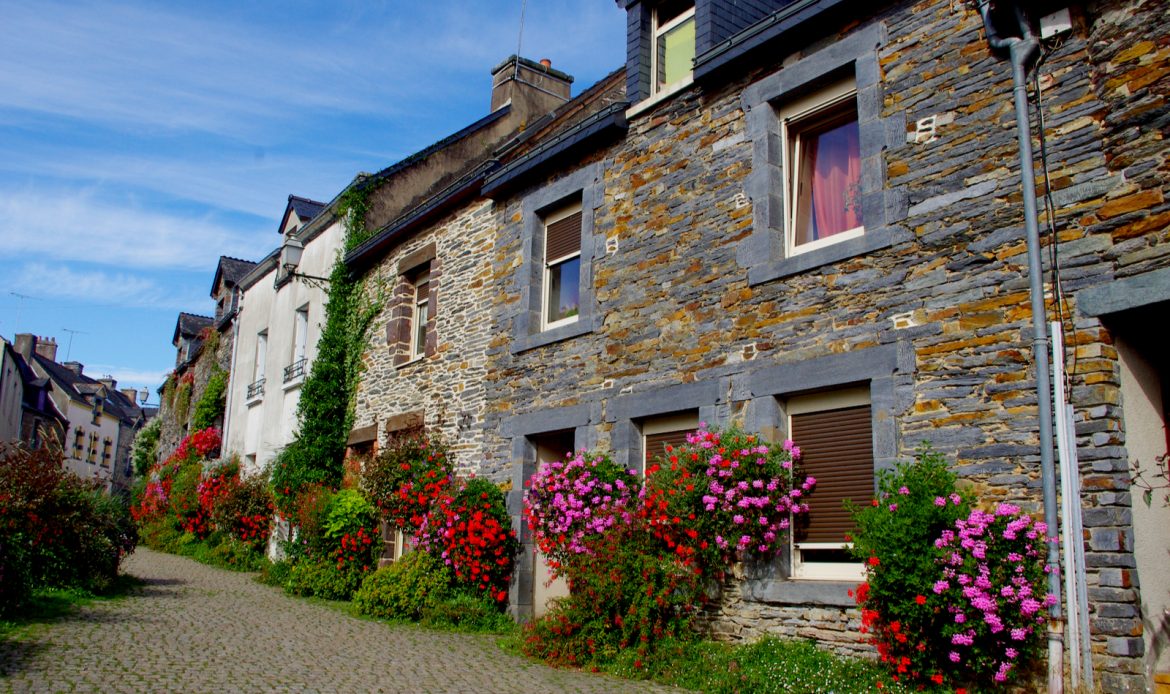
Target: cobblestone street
(193,628)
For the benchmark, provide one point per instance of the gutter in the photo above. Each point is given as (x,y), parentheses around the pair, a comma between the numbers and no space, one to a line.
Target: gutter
(1023,51)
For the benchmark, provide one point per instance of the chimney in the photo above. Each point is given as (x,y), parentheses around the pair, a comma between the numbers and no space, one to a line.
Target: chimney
(25,344)
(74,366)
(109,382)
(47,347)
(518,79)
(131,395)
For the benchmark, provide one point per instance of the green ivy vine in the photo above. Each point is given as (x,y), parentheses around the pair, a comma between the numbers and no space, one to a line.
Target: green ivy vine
(325,408)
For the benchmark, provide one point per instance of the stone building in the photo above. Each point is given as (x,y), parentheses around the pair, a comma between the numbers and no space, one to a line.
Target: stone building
(203,349)
(876,293)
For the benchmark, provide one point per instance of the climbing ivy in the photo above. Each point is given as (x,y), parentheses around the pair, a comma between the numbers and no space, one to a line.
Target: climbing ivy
(209,408)
(325,408)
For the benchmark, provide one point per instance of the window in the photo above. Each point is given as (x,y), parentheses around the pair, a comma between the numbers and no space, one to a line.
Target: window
(91,453)
(818,181)
(673,51)
(420,314)
(99,405)
(393,542)
(78,443)
(562,267)
(835,436)
(822,158)
(256,388)
(664,431)
(106,444)
(301,333)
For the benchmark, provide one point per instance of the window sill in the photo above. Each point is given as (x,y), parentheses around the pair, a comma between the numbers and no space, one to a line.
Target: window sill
(652,101)
(870,242)
(293,383)
(581,326)
(254,400)
(802,591)
(410,362)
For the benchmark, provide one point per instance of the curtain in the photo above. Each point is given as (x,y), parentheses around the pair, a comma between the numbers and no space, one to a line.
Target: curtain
(836,180)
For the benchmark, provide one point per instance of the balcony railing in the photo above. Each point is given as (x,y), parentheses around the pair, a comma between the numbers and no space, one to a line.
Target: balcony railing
(256,389)
(295,370)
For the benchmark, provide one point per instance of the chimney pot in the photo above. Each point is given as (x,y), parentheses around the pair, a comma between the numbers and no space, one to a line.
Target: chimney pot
(546,62)
(46,347)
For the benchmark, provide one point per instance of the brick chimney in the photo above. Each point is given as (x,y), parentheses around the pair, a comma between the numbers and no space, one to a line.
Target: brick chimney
(518,79)
(74,366)
(131,395)
(109,382)
(47,347)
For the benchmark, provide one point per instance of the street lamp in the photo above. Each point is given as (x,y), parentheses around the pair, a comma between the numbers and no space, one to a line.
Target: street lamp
(290,259)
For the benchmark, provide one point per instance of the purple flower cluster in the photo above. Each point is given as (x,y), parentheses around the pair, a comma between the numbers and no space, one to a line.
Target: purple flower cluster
(744,485)
(992,583)
(570,502)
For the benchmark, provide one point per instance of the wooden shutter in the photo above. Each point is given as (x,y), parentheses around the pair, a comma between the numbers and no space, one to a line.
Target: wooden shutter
(656,443)
(836,447)
(563,237)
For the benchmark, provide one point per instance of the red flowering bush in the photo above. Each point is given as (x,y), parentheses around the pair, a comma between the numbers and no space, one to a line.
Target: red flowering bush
(201,445)
(406,479)
(244,510)
(570,503)
(638,595)
(724,496)
(471,533)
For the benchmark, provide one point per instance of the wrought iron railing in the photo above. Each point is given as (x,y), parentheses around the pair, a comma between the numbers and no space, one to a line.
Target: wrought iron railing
(256,389)
(295,369)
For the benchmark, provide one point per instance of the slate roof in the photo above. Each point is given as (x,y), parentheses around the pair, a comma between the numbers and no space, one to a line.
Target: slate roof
(305,208)
(229,272)
(82,388)
(189,325)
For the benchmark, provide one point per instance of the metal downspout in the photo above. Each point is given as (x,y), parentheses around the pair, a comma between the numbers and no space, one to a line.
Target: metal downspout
(1022,51)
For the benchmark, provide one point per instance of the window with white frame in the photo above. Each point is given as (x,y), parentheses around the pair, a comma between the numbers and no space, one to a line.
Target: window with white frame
(662,433)
(562,267)
(822,164)
(393,542)
(420,313)
(834,432)
(261,355)
(301,333)
(672,52)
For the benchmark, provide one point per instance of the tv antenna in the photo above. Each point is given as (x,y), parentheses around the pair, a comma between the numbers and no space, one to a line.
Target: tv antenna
(19,306)
(69,349)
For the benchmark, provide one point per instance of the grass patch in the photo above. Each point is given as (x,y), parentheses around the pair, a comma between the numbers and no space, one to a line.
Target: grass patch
(47,605)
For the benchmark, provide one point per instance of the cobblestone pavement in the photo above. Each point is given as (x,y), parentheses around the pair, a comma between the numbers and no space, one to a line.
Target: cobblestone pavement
(194,628)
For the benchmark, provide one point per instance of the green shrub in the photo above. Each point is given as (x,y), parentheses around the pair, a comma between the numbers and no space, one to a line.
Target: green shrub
(144,450)
(209,408)
(322,579)
(896,536)
(274,573)
(468,612)
(404,589)
(228,553)
(406,478)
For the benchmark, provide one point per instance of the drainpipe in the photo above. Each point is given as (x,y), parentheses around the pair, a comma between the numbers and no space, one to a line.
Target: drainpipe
(1022,52)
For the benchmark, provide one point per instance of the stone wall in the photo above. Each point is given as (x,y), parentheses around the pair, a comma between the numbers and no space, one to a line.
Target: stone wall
(175,427)
(448,383)
(682,322)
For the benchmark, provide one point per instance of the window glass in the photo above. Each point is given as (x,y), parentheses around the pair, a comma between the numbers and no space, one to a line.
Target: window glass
(562,267)
(674,43)
(422,288)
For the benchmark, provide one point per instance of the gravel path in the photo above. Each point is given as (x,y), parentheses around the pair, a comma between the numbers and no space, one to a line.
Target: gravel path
(194,628)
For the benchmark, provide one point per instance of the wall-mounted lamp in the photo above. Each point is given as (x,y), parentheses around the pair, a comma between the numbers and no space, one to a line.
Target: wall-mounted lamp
(143,396)
(290,260)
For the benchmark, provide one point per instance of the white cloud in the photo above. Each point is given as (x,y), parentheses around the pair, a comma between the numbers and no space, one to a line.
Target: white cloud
(80,226)
(106,289)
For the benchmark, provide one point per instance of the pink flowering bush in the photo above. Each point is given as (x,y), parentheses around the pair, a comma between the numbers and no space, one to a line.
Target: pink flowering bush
(953,597)
(570,502)
(725,495)
(992,587)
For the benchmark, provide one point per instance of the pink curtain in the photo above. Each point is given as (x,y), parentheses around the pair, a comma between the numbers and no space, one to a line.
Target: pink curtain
(836,181)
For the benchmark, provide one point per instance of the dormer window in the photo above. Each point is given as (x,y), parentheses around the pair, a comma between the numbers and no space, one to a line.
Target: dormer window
(673,49)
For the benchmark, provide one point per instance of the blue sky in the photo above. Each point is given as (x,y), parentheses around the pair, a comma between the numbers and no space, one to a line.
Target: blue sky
(139,141)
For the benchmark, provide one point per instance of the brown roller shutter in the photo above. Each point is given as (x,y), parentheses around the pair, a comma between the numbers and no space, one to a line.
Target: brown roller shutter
(836,447)
(563,237)
(656,443)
